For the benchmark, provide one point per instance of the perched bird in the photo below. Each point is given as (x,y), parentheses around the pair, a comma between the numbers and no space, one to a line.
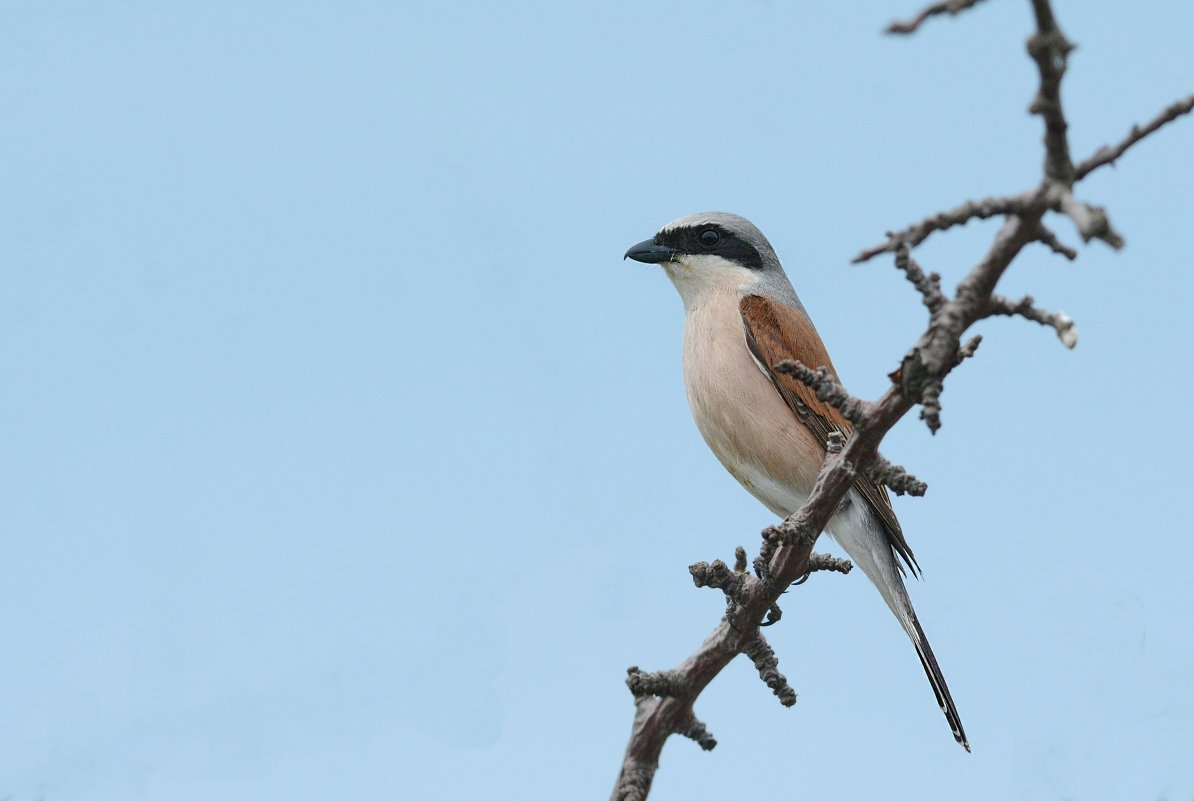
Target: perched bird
(742,317)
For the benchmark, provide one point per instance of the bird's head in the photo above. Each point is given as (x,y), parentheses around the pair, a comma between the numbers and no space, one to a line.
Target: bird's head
(713,252)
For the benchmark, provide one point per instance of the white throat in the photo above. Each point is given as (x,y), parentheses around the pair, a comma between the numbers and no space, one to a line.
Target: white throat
(700,277)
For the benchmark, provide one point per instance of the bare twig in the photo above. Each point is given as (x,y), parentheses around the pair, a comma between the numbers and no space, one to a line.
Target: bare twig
(950,7)
(717,575)
(984,209)
(929,285)
(761,654)
(1091,221)
(696,731)
(1108,154)
(664,683)
(967,350)
(823,561)
(1050,49)
(895,477)
(930,405)
(1050,240)
(1058,321)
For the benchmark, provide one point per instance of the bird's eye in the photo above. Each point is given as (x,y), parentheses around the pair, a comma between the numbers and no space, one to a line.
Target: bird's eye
(709,237)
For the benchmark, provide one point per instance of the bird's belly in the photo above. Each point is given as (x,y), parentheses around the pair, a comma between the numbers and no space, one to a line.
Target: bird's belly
(742,417)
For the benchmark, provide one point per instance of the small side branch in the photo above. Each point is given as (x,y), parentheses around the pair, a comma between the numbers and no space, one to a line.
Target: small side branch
(817,562)
(696,731)
(950,7)
(1109,153)
(664,684)
(823,561)
(1059,321)
(1050,240)
(717,575)
(929,285)
(761,654)
(967,350)
(897,478)
(930,405)
(984,209)
(1091,221)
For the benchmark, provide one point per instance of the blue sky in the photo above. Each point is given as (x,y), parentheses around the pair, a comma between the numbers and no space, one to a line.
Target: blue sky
(343,456)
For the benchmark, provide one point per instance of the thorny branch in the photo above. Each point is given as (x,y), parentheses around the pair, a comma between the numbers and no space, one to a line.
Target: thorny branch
(664,701)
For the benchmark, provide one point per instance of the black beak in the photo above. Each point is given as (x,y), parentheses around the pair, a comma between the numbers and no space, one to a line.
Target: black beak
(649,253)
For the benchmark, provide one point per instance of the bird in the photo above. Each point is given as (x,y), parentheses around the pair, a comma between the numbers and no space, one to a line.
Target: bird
(741,318)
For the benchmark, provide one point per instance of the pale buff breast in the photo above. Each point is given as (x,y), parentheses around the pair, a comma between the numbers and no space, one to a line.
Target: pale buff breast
(739,412)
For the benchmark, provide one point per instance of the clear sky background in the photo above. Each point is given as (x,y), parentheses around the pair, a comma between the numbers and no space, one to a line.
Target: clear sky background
(344,457)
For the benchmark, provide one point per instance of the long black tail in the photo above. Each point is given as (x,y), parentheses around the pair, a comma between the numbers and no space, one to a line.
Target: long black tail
(940,688)
(869,544)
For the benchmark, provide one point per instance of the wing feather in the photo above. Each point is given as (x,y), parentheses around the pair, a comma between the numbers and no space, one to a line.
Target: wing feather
(775,333)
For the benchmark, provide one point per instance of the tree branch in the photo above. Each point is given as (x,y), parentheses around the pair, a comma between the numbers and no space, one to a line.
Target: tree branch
(664,701)
(950,7)
(1050,49)
(1108,154)
(984,209)
(1050,240)
(1058,321)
